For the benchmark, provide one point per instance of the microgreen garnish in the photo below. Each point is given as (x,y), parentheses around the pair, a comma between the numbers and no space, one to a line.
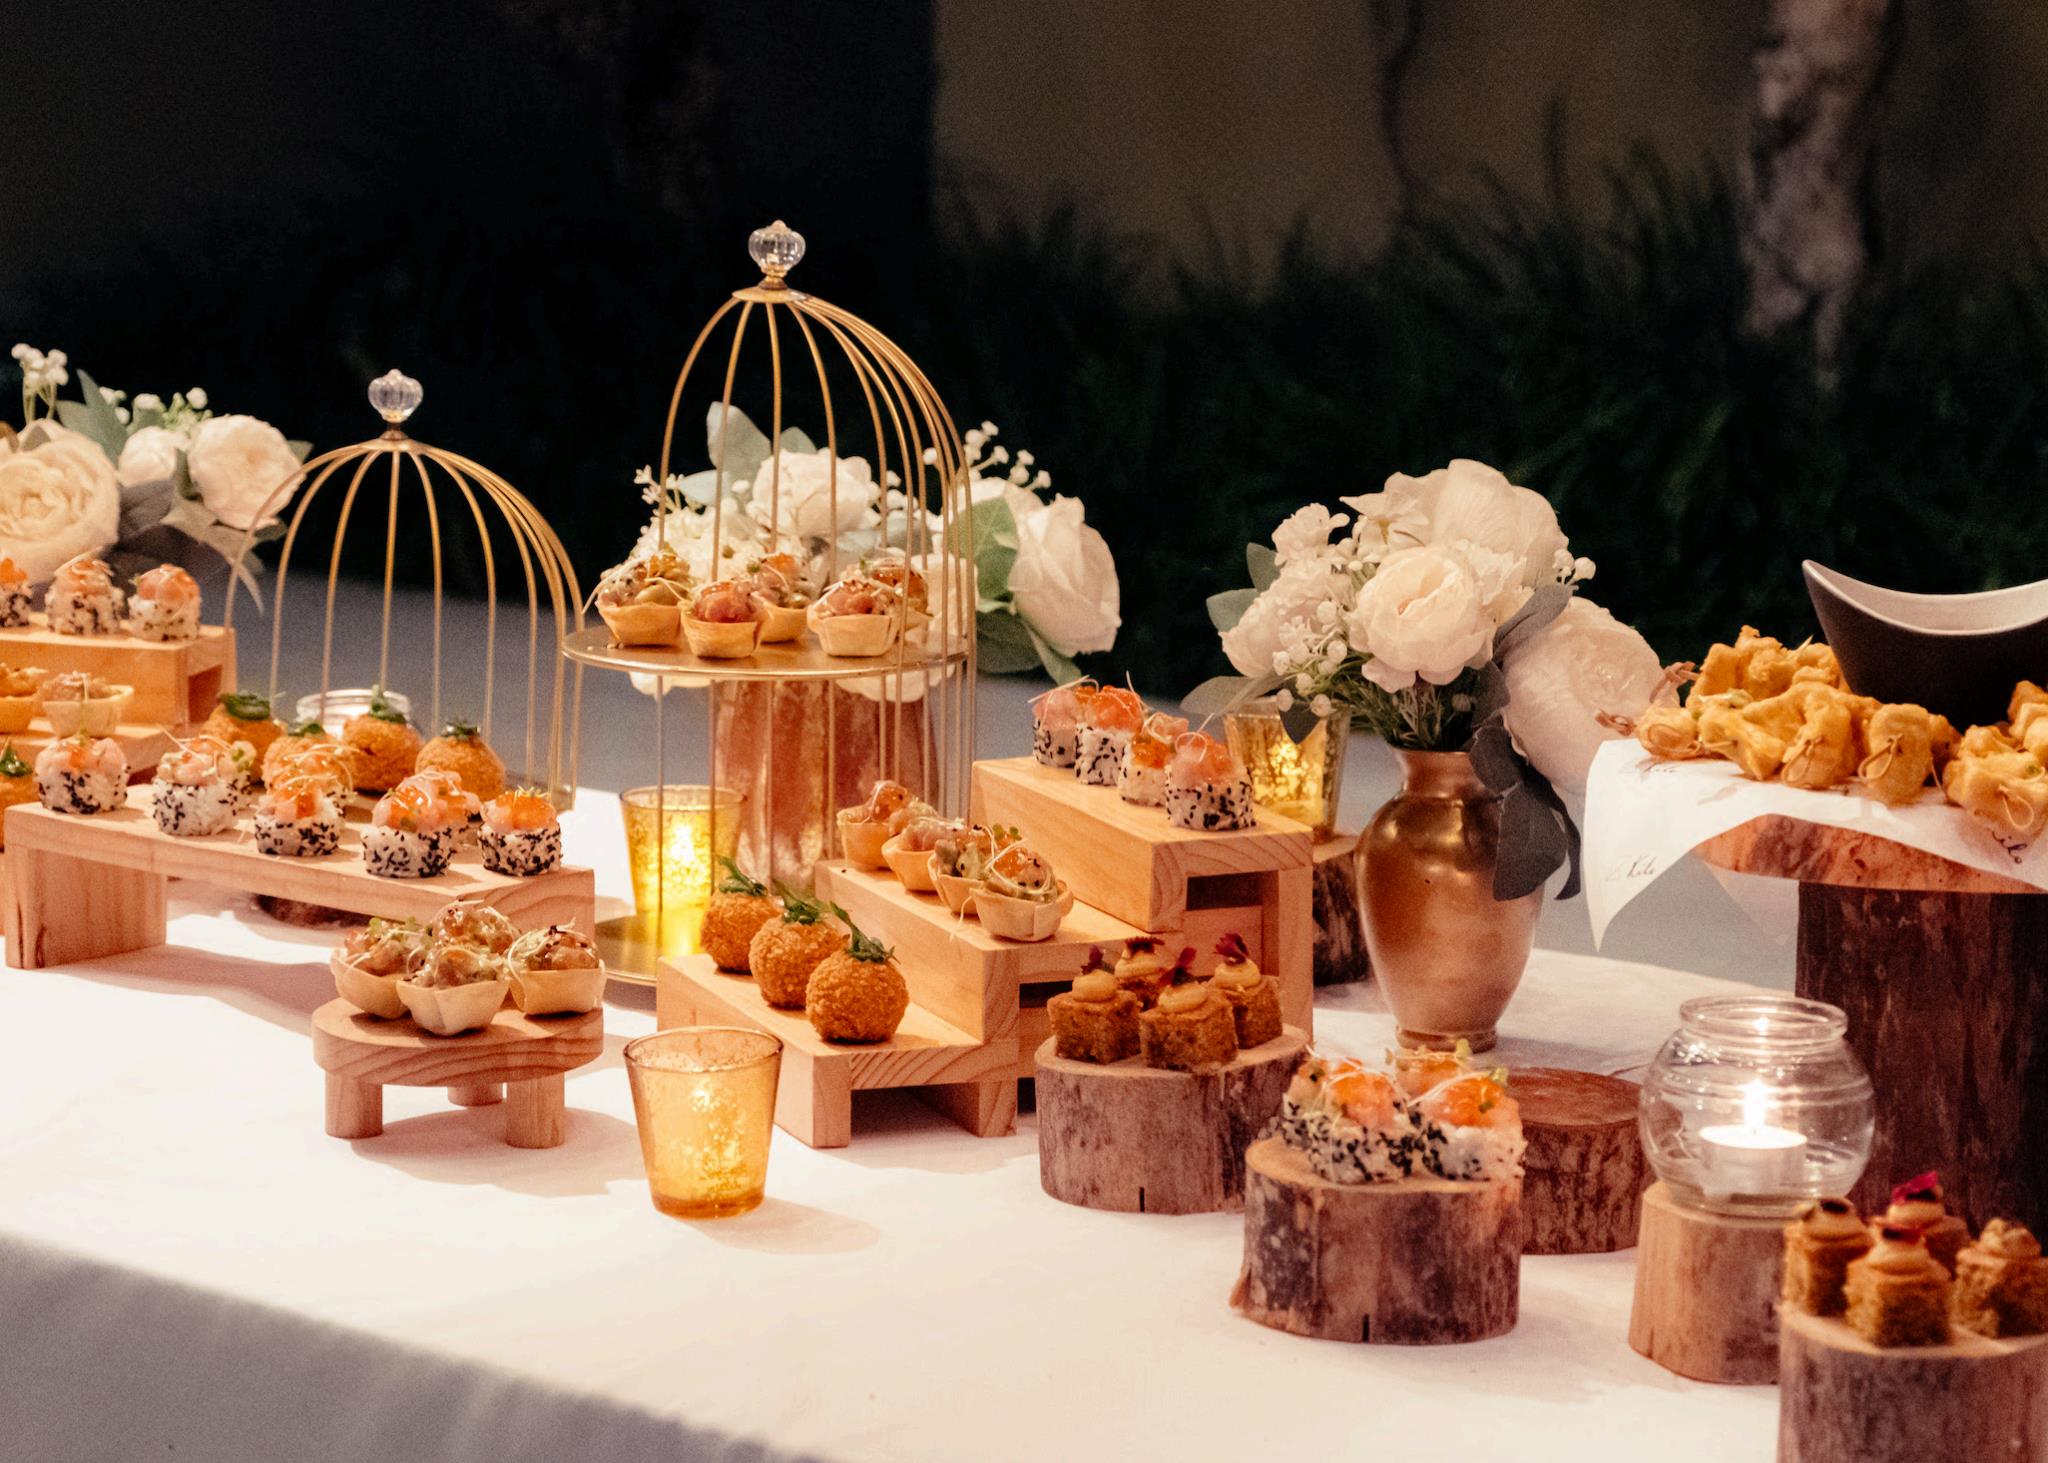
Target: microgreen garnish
(383,710)
(865,947)
(736,880)
(796,909)
(246,705)
(11,764)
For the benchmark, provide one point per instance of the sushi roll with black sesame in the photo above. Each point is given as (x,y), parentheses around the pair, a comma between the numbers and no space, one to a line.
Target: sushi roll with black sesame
(82,599)
(16,599)
(1351,1124)
(297,817)
(1470,1128)
(1141,770)
(413,829)
(1207,788)
(165,605)
(82,775)
(198,788)
(521,835)
(1113,715)
(1056,718)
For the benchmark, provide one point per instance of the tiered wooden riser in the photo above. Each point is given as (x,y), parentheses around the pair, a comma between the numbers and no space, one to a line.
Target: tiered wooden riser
(176,682)
(81,888)
(1188,887)
(965,1077)
(143,745)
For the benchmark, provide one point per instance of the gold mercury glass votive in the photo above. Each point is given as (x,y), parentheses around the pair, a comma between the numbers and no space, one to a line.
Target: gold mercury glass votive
(674,839)
(704,1099)
(1298,780)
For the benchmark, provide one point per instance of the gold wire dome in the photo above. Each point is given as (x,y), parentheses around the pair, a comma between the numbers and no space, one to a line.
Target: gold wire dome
(550,735)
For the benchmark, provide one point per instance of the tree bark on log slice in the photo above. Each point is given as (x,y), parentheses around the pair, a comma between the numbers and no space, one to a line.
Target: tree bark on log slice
(1948,1009)
(1706,1302)
(1414,1262)
(1340,925)
(1585,1169)
(1141,1140)
(1843,1400)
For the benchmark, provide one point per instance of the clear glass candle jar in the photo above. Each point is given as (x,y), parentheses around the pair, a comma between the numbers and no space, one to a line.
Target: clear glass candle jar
(1757,1104)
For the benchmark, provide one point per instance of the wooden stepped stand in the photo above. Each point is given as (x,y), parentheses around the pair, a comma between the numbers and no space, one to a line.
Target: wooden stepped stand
(1706,1300)
(517,1060)
(1411,1262)
(1938,967)
(1842,1400)
(142,744)
(1585,1170)
(1143,1140)
(1188,887)
(964,1076)
(82,888)
(176,682)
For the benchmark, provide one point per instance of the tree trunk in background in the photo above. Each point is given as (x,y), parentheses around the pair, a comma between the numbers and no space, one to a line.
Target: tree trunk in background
(1811,230)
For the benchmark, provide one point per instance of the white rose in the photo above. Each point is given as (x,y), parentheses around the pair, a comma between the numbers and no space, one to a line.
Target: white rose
(1296,596)
(59,498)
(239,465)
(1421,615)
(800,499)
(1469,502)
(1582,663)
(1064,580)
(150,456)
(1306,533)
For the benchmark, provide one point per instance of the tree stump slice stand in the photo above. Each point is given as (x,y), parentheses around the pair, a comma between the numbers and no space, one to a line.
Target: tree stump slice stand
(1706,1301)
(1340,924)
(1414,1262)
(517,1060)
(1585,1170)
(1843,1400)
(1939,969)
(1141,1140)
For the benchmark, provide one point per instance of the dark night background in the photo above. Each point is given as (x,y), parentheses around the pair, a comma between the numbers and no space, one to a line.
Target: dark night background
(1175,250)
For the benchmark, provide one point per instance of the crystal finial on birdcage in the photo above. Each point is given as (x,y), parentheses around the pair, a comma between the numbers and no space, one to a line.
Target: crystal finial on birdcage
(396,396)
(776,249)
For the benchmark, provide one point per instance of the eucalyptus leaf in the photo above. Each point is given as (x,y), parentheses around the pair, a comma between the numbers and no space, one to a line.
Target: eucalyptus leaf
(1493,758)
(994,536)
(1227,608)
(145,505)
(94,417)
(701,487)
(1298,721)
(795,439)
(1489,692)
(1539,786)
(1532,845)
(749,444)
(1544,605)
(1003,644)
(1219,694)
(1263,562)
(1061,669)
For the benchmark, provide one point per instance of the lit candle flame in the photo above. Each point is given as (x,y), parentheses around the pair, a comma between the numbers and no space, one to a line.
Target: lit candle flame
(1756,1106)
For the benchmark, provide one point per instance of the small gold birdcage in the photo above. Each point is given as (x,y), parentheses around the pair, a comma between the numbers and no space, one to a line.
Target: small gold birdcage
(407,469)
(796,733)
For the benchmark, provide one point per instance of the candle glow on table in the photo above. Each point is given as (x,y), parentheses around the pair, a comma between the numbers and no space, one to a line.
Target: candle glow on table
(674,839)
(704,1102)
(1298,780)
(1753,1156)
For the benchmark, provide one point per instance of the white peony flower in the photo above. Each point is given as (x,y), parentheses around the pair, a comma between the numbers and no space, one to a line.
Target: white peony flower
(1469,502)
(1421,615)
(1260,643)
(1386,522)
(239,465)
(1064,580)
(1306,533)
(801,499)
(59,498)
(1582,663)
(150,456)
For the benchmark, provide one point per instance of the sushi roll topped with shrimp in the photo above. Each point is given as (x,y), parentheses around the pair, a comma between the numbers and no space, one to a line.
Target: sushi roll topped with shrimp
(1056,720)
(521,834)
(1470,1128)
(82,599)
(1114,716)
(1207,788)
(82,775)
(165,605)
(1350,1123)
(413,829)
(298,815)
(199,787)
(16,599)
(1141,769)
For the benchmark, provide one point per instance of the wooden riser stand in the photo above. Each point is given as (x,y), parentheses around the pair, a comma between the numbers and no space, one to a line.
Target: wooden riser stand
(176,682)
(82,888)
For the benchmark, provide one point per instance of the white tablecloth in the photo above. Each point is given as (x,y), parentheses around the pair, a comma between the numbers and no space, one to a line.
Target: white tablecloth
(190,1268)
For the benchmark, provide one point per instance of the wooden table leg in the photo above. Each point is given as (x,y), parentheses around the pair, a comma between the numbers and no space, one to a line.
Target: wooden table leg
(985,1109)
(60,909)
(354,1109)
(534,1113)
(1947,998)
(476,1094)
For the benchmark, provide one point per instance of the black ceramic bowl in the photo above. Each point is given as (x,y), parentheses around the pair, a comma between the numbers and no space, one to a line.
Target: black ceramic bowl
(1958,654)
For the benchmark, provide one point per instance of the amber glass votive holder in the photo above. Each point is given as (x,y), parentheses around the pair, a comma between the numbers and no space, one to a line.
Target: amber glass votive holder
(704,1100)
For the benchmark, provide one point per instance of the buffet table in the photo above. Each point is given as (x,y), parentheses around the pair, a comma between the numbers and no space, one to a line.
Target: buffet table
(189,1267)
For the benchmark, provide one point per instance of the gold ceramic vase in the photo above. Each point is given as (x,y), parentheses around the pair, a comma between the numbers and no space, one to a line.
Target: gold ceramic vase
(1446,952)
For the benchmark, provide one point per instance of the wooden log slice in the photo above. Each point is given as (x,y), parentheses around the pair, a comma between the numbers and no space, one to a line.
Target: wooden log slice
(1706,1301)
(1340,925)
(1415,1262)
(1141,1140)
(1585,1170)
(304,914)
(1843,1400)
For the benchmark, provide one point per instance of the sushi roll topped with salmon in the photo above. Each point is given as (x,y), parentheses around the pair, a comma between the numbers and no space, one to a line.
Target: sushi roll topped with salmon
(1056,720)
(1114,717)
(82,599)
(165,605)
(1350,1123)
(1141,770)
(199,787)
(298,815)
(413,828)
(82,775)
(521,835)
(1471,1129)
(16,599)
(1207,788)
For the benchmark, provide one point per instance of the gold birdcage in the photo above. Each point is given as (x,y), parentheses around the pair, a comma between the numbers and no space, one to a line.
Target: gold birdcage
(795,733)
(497,513)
